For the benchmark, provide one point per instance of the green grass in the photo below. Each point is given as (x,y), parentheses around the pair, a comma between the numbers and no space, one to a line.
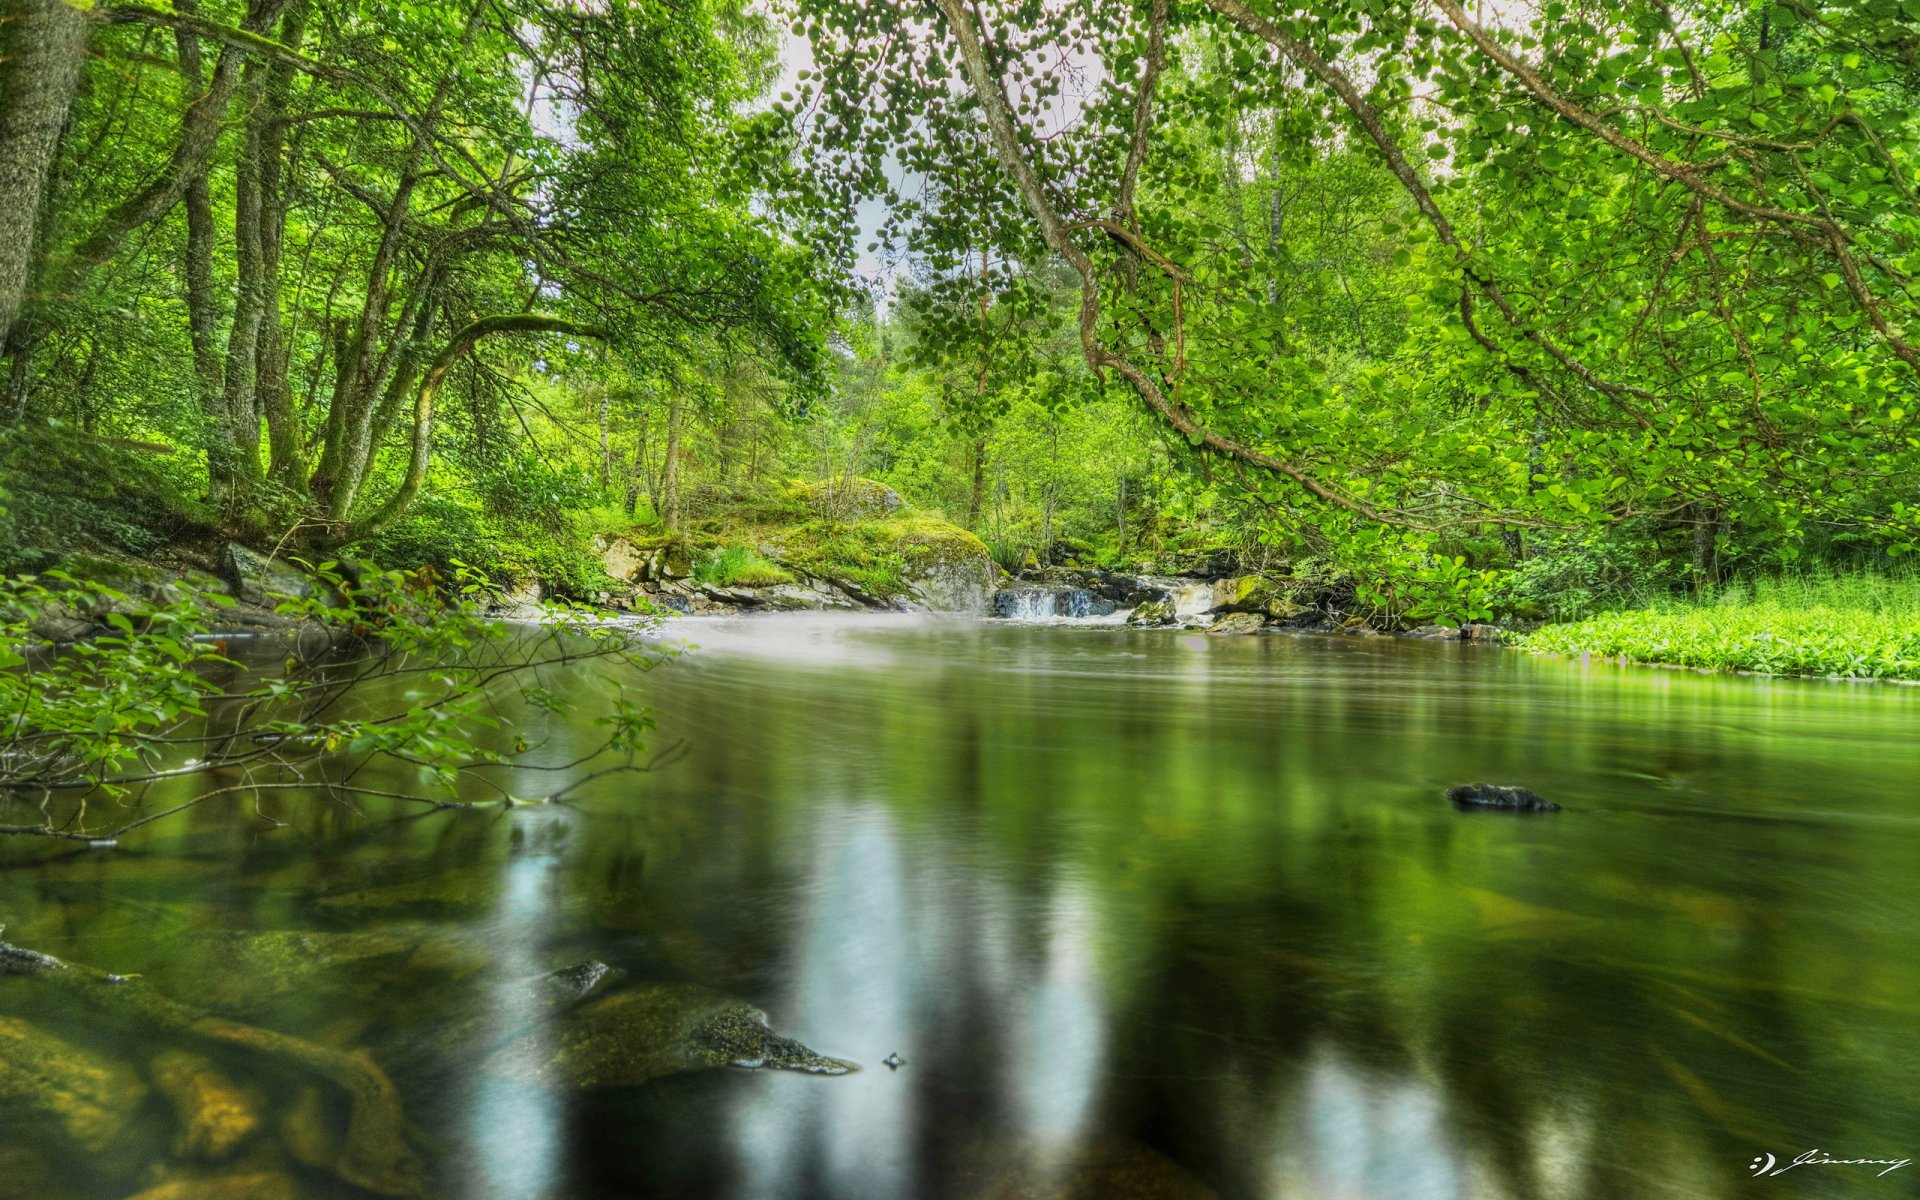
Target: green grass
(739,566)
(1860,626)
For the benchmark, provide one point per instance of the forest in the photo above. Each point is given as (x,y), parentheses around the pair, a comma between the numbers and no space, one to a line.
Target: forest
(604,599)
(1567,311)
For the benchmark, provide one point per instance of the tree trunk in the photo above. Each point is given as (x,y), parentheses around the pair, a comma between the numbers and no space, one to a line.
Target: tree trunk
(203,306)
(668,500)
(273,394)
(348,450)
(42,50)
(422,452)
(979,483)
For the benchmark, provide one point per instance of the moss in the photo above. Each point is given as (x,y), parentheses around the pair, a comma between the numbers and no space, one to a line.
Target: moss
(71,491)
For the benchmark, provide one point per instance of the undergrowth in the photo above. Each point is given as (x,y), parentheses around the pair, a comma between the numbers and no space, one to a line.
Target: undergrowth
(1864,625)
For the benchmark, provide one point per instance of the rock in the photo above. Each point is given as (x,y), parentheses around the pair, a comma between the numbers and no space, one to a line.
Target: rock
(620,558)
(1496,796)
(89,1096)
(1254,594)
(669,563)
(947,569)
(215,1115)
(1482,633)
(246,971)
(308,1133)
(1153,612)
(650,1030)
(249,1185)
(1434,632)
(571,985)
(1234,623)
(259,580)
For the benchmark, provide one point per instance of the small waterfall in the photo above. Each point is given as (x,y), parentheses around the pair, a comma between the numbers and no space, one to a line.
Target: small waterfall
(1050,604)
(1193,599)
(1025,604)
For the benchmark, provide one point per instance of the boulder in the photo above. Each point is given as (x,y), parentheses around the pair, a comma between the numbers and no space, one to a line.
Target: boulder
(1482,633)
(259,580)
(1153,612)
(1499,796)
(86,1095)
(620,558)
(650,1030)
(947,569)
(1234,623)
(1435,632)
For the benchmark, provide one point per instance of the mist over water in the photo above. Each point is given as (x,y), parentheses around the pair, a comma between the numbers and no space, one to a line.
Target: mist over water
(1145,914)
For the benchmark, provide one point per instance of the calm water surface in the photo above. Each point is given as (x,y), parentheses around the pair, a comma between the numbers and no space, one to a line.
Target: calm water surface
(1147,915)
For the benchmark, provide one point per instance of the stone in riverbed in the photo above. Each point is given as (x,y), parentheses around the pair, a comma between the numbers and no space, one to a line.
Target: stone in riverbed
(650,1030)
(1499,796)
(90,1097)
(247,1185)
(1239,622)
(1153,612)
(215,1114)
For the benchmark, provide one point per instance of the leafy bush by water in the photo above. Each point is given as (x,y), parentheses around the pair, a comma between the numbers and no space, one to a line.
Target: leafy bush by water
(1865,626)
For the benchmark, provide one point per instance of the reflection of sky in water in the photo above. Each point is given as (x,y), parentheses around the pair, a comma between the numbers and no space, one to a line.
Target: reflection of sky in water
(514,1128)
(1059,1029)
(1350,1137)
(874,975)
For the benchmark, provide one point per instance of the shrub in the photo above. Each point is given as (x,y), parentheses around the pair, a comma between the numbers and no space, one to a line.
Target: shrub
(1863,626)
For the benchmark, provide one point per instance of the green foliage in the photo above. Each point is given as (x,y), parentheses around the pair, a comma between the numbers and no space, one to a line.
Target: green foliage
(739,566)
(1865,626)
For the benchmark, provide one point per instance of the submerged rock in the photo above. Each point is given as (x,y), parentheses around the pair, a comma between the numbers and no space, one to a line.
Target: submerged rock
(89,1096)
(248,1185)
(1490,795)
(215,1115)
(650,1030)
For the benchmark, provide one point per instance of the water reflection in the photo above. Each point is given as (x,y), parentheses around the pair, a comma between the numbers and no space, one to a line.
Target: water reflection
(1146,916)
(514,1130)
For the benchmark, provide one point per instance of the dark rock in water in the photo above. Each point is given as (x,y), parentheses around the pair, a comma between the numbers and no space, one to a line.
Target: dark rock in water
(1491,795)
(649,1030)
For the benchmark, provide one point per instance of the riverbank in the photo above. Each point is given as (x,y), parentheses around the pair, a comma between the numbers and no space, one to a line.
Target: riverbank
(1863,626)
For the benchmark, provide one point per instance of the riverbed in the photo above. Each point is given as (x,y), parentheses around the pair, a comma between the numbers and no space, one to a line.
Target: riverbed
(1141,914)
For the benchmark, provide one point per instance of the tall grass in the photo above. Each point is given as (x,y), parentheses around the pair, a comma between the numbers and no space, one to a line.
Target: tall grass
(1862,625)
(739,566)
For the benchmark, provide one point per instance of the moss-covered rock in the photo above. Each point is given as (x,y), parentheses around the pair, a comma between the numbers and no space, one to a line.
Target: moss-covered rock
(87,1096)
(650,1030)
(215,1114)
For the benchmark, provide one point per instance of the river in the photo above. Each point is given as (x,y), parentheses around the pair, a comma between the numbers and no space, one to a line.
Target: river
(1146,915)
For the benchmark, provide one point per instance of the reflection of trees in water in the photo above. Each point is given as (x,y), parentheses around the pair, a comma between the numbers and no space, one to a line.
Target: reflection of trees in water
(1302,960)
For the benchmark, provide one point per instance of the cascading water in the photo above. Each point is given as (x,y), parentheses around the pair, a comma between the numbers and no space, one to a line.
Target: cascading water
(1050,604)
